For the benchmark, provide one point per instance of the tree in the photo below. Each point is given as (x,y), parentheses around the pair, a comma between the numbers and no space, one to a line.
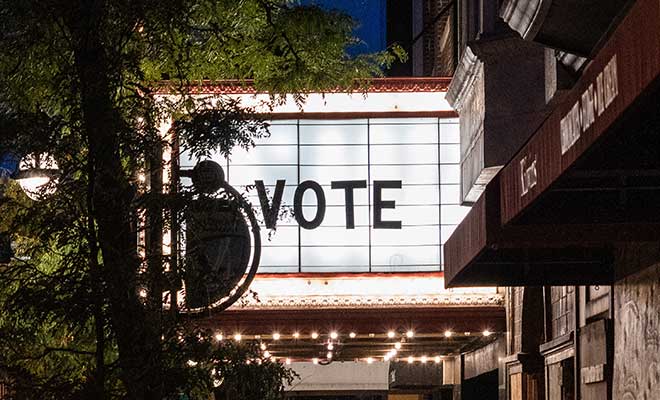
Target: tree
(77,79)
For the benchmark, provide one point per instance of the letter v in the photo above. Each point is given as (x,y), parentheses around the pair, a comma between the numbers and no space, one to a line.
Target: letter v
(269,211)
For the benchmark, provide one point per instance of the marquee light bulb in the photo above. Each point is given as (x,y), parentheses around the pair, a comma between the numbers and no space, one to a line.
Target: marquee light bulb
(331,346)
(334,335)
(447,334)
(370,360)
(315,360)
(267,354)
(287,361)
(238,337)
(410,360)
(424,359)
(352,335)
(262,346)
(437,359)
(486,333)
(410,334)
(390,334)
(315,335)
(397,345)
(276,336)
(296,335)
(219,337)
(329,355)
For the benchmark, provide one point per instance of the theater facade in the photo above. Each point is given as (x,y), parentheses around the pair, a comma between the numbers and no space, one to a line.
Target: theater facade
(355,195)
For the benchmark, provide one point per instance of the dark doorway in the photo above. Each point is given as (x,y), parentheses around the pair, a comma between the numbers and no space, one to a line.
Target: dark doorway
(482,387)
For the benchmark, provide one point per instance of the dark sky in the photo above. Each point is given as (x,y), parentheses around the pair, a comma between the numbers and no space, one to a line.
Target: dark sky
(370,15)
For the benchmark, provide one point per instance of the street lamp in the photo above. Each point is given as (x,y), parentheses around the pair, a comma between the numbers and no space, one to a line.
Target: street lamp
(34,174)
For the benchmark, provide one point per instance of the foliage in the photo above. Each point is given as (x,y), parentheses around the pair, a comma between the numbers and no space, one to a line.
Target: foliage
(78,81)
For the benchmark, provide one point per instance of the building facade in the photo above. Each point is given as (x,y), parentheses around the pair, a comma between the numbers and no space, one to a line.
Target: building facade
(560,156)
(355,194)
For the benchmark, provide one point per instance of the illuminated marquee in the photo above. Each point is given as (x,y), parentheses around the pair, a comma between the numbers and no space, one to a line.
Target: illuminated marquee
(361,195)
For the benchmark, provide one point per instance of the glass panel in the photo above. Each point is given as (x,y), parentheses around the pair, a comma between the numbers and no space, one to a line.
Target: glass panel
(280,134)
(266,269)
(450,133)
(409,195)
(324,175)
(409,174)
(333,134)
(445,232)
(279,256)
(327,236)
(407,268)
(265,155)
(246,175)
(394,134)
(283,236)
(450,153)
(187,161)
(417,215)
(404,154)
(335,256)
(450,194)
(450,174)
(453,214)
(394,256)
(348,268)
(333,155)
(413,235)
(442,256)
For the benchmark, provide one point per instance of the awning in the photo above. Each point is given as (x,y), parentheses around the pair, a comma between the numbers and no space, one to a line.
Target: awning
(588,179)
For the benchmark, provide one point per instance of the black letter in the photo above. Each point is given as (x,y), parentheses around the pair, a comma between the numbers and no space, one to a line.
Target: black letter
(320,204)
(348,187)
(270,212)
(379,204)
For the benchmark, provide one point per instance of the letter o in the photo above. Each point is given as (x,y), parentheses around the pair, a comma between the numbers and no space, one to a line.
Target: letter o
(298,207)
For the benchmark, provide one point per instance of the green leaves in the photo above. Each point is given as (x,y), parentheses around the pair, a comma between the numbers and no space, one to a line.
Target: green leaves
(78,82)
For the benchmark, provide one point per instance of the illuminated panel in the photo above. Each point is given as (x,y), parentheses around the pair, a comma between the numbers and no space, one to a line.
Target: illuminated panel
(422,153)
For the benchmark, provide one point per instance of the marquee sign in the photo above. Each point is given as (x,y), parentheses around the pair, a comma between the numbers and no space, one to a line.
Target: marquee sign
(358,195)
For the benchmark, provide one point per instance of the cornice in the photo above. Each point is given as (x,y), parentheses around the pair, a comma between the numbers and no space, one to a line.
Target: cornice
(572,61)
(525,16)
(375,85)
(480,53)
(367,302)
(464,78)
